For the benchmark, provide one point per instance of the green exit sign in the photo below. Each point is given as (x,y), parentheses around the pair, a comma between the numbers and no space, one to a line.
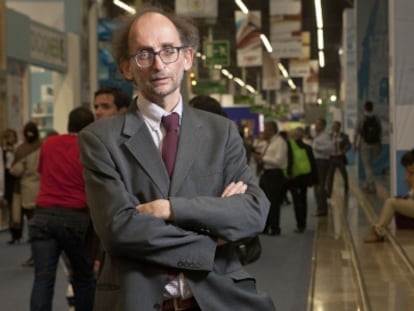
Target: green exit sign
(217,53)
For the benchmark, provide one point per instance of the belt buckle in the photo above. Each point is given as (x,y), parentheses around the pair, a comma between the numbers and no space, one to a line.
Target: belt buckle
(176,307)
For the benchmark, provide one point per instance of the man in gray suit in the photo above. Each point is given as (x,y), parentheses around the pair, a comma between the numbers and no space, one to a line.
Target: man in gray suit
(168,239)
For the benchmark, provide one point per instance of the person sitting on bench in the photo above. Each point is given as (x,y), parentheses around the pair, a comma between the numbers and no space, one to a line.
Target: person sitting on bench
(404,206)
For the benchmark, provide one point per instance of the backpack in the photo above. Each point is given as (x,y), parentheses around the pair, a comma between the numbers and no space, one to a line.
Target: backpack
(371,130)
(301,164)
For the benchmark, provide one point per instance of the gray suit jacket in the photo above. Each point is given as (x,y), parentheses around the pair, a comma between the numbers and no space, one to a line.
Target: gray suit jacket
(123,168)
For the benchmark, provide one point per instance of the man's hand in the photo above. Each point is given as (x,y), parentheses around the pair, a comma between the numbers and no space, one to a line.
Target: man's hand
(159,208)
(234,188)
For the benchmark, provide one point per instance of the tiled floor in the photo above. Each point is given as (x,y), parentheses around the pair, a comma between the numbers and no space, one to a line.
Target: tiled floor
(377,278)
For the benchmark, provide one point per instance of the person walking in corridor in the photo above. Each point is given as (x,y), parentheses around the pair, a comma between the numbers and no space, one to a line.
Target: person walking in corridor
(273,181)
(61,218)
(338,158)
(322,149)
(367,140)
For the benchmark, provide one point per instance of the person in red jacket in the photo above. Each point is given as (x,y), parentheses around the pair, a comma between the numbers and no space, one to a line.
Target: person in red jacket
(61,218)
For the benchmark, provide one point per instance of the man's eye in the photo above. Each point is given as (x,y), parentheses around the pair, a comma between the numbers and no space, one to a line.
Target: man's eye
(144,54)
(169,50)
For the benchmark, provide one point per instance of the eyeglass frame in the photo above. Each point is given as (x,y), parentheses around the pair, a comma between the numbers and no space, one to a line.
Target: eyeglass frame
(178,48)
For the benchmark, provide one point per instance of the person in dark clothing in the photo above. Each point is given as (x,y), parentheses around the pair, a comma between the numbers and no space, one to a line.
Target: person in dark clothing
(9,141)
(285,200)
(275,161)
(298,185)
(338,157)
(207,103)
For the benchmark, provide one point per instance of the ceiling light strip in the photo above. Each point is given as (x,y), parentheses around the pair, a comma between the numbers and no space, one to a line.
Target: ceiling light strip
(124,6)
(318,12)
(320,39)
(242,6)
(266,43)
(321,56)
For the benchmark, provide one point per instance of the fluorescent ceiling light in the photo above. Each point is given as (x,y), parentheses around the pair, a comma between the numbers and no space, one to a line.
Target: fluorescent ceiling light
(321,55)
(250,88)
(225,72)
(242,6)
(292,84)
(283,70)
(239,81)
(266,43)
(318,12)
(124,6)
(320,39)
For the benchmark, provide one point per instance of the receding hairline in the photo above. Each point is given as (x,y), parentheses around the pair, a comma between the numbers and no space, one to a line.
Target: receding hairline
(147,15)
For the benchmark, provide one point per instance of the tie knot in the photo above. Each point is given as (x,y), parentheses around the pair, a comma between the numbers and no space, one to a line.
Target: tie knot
(170,122)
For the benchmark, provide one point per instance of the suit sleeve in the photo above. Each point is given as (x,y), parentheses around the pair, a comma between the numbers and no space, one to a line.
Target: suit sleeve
(231,218)
(122,230)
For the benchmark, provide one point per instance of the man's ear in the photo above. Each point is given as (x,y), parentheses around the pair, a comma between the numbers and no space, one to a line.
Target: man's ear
(126,70)
(188,59)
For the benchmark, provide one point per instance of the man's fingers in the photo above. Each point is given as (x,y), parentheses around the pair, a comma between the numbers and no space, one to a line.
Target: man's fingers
(227,190)
(234,188)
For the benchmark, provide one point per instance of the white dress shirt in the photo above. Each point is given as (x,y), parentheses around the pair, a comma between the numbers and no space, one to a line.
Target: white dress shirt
(276,154)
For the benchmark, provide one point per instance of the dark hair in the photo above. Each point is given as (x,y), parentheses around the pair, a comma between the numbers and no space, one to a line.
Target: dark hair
(272,125)
(186,28)
(322,121)
(31,132)
(79,118)
(121,99)
(408,158)
(207,103)
(368,106)
(10,131)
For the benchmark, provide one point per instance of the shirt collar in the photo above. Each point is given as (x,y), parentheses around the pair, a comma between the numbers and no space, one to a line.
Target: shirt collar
(153,113)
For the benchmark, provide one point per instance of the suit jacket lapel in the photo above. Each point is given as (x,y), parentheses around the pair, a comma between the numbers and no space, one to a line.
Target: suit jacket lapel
(188,147)
(142,147)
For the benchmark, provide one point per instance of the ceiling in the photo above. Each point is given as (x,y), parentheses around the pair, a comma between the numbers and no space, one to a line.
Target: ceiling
(224,29)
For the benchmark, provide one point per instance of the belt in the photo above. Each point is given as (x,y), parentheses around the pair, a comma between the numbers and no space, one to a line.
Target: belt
(178,304)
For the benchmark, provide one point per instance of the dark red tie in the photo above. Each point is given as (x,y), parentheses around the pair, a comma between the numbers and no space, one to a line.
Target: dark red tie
(169,145)
(169,150)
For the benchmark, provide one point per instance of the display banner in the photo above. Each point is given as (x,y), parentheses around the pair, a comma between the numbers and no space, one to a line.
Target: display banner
(248,42)
(306,41)
(299,68)
(311,81)
(48,47)
(286,28)
(270,73)
(197,8)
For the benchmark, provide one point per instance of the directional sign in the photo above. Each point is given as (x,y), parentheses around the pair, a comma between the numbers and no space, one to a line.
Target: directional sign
(217,53)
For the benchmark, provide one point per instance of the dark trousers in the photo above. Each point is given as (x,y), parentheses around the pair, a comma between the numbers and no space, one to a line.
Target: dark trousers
(322,168)
(272,182)
(299,192)
(336,162)
(52,231)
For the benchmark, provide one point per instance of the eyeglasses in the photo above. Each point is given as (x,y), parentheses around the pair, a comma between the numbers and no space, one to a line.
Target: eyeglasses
(168,55)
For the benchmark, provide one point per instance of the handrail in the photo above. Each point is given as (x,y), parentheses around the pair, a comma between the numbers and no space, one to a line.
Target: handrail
(311,290)
(362,288)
